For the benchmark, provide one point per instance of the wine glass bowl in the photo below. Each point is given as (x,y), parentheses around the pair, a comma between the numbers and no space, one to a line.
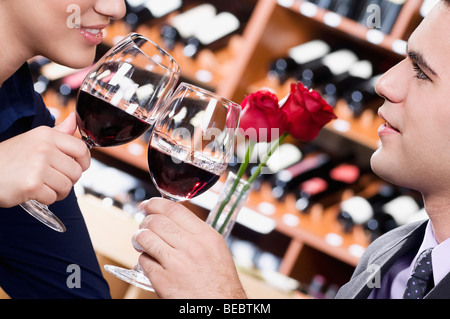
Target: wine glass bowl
(192,142)
(119,99)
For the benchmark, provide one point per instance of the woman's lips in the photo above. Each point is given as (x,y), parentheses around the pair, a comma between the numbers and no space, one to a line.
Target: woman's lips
(92,35)
(386,128)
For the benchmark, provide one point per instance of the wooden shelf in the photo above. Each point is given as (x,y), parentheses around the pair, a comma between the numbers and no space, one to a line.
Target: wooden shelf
(394,42)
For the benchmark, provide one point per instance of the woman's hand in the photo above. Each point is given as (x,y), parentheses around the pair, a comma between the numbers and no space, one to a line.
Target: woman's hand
(183,256)
(42,164)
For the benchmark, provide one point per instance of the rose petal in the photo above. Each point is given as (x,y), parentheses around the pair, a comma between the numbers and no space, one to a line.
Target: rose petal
(262,115)
(307,112)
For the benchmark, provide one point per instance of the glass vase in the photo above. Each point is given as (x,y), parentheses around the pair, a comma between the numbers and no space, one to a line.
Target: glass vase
(231,199)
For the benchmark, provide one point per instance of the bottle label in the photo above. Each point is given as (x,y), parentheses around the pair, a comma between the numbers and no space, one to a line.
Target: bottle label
(188,22)
(160,8)
(314,186)
(222,25)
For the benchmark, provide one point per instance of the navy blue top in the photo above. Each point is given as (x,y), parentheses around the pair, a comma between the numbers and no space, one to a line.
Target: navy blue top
(21,108)
(36,261)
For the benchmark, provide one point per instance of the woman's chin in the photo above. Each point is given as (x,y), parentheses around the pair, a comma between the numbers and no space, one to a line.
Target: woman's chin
(79,59)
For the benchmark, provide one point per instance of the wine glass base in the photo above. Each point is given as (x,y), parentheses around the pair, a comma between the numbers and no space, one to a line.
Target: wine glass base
(44,215)
(131,276)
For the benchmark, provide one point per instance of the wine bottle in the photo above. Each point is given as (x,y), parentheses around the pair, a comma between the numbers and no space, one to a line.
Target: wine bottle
(358,72)
(359,8)
(285,156)
(316,287)
(326,4)
(36,64)
(361,211)
(345,8)
(40,81)
(161,9)
(327,187)
(142,11)
(213,34)
(234,164)
(390,9)
(286,179)
(426,7)
(297,59)
(394,213)
(63,80)
(184,25)
(362,96)
(136,13)
(331,66)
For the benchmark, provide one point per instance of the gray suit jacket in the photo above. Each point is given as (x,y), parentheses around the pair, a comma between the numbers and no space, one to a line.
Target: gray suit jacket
(382,254)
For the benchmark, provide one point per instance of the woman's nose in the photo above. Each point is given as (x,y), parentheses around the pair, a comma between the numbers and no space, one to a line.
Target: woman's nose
(115,9)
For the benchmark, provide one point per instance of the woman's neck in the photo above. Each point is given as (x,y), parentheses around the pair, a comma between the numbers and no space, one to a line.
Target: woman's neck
(14,50)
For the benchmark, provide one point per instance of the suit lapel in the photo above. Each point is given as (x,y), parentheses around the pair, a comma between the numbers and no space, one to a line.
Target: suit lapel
(390,250)
(441,291)
(385,261)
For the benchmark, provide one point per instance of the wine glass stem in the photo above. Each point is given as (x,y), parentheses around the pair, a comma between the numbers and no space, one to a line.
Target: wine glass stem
(44,215)
(166,196)
(89,143)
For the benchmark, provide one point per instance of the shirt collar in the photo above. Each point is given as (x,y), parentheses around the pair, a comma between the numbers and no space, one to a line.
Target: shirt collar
(439,257)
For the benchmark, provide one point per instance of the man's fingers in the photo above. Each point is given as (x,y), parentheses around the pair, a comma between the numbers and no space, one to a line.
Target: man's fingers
(154,245)
(176,212)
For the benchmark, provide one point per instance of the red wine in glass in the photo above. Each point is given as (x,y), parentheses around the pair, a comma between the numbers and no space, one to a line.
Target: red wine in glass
(103,124)
(178,178)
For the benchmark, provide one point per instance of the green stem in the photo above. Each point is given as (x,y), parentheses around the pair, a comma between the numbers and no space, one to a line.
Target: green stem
(244,165)
(240,173)
(252,178)
(272,150)
(236,202)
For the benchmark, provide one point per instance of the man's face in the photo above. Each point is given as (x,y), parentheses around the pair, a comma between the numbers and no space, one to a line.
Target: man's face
(415,142)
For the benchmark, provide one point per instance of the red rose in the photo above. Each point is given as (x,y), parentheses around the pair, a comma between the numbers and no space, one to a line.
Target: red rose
(307,112)
(261,112)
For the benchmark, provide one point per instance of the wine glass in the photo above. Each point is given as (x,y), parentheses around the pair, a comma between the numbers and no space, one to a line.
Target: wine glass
(120,97)
(189,148)
(118,100)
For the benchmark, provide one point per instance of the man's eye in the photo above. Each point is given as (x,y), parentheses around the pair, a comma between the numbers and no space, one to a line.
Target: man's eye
(419,73)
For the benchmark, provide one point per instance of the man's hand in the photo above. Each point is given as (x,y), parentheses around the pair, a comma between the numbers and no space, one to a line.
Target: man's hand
(183,256)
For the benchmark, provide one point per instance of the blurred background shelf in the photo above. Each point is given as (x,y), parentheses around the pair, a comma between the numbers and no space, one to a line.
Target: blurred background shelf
(272,236)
